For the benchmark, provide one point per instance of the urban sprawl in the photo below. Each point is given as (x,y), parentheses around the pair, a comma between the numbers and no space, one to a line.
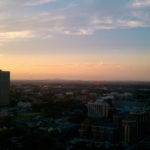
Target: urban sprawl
(74,115)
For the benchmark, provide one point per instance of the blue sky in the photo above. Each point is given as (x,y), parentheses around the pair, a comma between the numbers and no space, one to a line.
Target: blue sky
(60,38)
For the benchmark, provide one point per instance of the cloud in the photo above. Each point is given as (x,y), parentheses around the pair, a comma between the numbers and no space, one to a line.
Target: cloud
(10,4)
(7,36)
(141,3)
(21,34)
(37,2)
(74,19)
(79,32)
(104,20)
(130,23)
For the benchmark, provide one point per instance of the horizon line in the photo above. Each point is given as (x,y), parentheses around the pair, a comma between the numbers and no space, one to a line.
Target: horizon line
(88,80)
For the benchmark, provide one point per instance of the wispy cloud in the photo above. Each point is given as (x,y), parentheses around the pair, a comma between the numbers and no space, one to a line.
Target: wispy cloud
(73,19)
(130,23)
(11,35)
(37,2)
(6,36)
(79,32)
(141,3)
(10,4)
(104,20)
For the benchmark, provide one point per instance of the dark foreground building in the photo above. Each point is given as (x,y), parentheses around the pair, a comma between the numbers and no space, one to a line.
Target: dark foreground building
(4,87)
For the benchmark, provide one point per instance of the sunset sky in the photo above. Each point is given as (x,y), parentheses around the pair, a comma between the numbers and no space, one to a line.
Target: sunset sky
(75,39)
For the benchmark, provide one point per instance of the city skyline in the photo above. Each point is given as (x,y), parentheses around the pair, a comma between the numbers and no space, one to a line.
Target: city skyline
(83,40)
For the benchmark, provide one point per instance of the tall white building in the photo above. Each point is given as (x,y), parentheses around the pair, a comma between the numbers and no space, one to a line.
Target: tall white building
(4,87)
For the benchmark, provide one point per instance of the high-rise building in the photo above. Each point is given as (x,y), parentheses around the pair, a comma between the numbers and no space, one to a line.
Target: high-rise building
(4,87)
(142,122)
(98,109)
(129,131)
